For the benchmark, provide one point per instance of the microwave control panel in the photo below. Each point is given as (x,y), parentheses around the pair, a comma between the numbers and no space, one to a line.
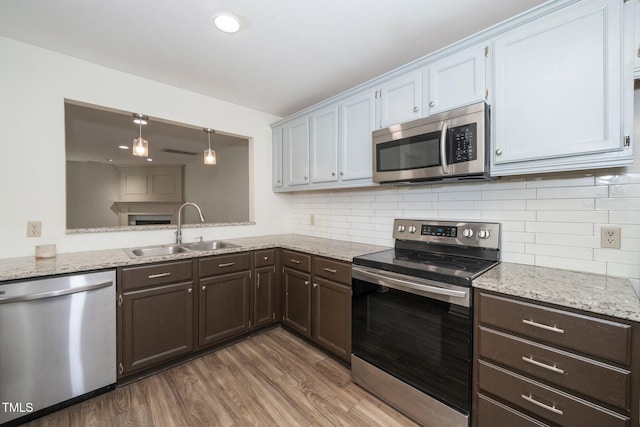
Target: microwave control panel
(463,143)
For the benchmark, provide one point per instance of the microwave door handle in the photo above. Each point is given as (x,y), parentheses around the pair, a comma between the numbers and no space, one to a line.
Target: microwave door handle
(443,149)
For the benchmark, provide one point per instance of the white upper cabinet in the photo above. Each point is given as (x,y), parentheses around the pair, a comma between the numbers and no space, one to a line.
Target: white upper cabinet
(296,152)
(636,45)
(558,91)
(454,81)
(357,122)
(324,144)
(399,99)
(276,154)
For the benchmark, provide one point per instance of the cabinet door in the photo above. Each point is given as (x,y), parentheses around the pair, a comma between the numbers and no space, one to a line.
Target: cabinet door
(157,325)
(324,144)
(454,81)
(332,317)
(399,99)
(637,40)
(558,83)
(264,292)
(358,121)
(297,301)
(224,307)
(296,147)
(276,153)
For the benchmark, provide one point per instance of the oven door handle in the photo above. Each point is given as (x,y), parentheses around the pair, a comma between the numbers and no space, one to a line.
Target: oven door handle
(404,285)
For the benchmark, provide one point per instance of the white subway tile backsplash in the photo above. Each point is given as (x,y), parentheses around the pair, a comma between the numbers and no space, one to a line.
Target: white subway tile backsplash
(551,221)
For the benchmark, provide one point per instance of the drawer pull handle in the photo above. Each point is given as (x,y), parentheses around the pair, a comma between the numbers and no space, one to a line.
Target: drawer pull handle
(553,408)
(155,276)
(295,261)
(226,264)
(266,258)
(543,365)
(541,326)
(330,270)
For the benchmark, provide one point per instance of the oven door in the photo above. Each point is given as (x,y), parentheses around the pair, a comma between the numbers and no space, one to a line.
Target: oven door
(415,330)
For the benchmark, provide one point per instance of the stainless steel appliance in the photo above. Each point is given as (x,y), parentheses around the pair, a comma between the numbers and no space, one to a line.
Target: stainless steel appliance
(450,146)
(412,317)
(57,343)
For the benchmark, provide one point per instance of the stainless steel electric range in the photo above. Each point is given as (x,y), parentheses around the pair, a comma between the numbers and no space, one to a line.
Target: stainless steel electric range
(413,314)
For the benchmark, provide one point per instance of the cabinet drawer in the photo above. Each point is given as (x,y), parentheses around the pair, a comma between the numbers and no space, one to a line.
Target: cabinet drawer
(492,414)
(224,264)
(296,260)
(544,401)
(332,270)
(586,334)
(157,274)
(265,257)
(594,379)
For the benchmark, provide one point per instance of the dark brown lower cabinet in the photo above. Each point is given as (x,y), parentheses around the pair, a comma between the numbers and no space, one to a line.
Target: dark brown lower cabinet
(224,307)
(264,296)
(539,364)
(331,326)
(157,325)
(297,301)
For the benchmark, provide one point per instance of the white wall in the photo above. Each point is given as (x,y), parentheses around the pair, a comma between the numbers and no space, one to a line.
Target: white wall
(548,220)
(33,85)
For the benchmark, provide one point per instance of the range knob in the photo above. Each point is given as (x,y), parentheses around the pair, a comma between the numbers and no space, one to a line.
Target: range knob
(468,233)
(484,234)
(412,229)
(401,229)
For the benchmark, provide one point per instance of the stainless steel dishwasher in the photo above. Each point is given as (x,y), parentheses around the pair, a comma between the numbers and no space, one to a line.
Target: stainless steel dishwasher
(57,343)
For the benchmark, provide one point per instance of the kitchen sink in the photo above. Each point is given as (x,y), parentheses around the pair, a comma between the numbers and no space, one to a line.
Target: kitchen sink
(155,251)
(161,250)
(210,246)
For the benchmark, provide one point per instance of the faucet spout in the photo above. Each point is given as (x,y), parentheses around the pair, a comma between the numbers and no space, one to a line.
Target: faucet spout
(179,230)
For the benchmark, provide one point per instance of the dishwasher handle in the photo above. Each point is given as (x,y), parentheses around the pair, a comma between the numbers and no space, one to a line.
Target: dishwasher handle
(56,293)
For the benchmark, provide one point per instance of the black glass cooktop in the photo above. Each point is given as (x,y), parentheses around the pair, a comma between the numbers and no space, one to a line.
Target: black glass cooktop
(445,268)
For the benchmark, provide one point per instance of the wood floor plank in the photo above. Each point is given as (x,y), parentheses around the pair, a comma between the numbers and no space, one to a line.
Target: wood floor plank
(271,379)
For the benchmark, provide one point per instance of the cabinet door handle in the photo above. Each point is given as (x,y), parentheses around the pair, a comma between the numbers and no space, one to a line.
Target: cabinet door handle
(306,283)
(155,276)
(415,109)
(120,299)
(204,288)
(120,368)
(553,408)
(498,152)
(315,285)
(295,261)
(189,290)
(226,264)
(432,104)
(541,326)
(330,270)
(542,365)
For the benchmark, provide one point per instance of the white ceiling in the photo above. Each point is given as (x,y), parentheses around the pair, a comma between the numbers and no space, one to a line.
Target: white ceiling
(288,55)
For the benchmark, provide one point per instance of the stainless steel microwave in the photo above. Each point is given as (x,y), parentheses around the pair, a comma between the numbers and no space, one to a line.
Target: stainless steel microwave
(452,146)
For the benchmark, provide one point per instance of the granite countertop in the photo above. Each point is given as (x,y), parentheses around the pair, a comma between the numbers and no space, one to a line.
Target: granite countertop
(63,263)
(595,293)
(590,292)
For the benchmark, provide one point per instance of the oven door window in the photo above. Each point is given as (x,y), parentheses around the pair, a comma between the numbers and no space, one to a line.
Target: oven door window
(415,152)
(423,342)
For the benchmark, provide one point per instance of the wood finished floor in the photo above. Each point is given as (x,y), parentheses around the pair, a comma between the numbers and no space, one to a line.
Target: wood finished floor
(272,379)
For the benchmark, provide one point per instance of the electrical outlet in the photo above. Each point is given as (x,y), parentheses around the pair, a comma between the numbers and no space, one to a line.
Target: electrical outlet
(34,228)
(610,237)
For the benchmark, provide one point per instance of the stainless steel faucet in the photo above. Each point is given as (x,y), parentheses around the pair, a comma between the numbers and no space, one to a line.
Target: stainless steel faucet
(179,231)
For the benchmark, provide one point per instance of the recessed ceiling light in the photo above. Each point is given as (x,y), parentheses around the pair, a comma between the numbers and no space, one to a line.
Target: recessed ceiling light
(149,160)
(227,23)
(123,147)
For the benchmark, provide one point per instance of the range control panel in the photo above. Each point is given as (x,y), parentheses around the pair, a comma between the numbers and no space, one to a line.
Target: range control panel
(478,234)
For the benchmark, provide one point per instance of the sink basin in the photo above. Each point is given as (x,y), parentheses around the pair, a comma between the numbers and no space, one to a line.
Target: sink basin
(209,246)
(155,251)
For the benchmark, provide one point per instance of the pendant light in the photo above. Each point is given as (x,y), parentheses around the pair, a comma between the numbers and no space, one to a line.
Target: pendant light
(209,155)
(140,145)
